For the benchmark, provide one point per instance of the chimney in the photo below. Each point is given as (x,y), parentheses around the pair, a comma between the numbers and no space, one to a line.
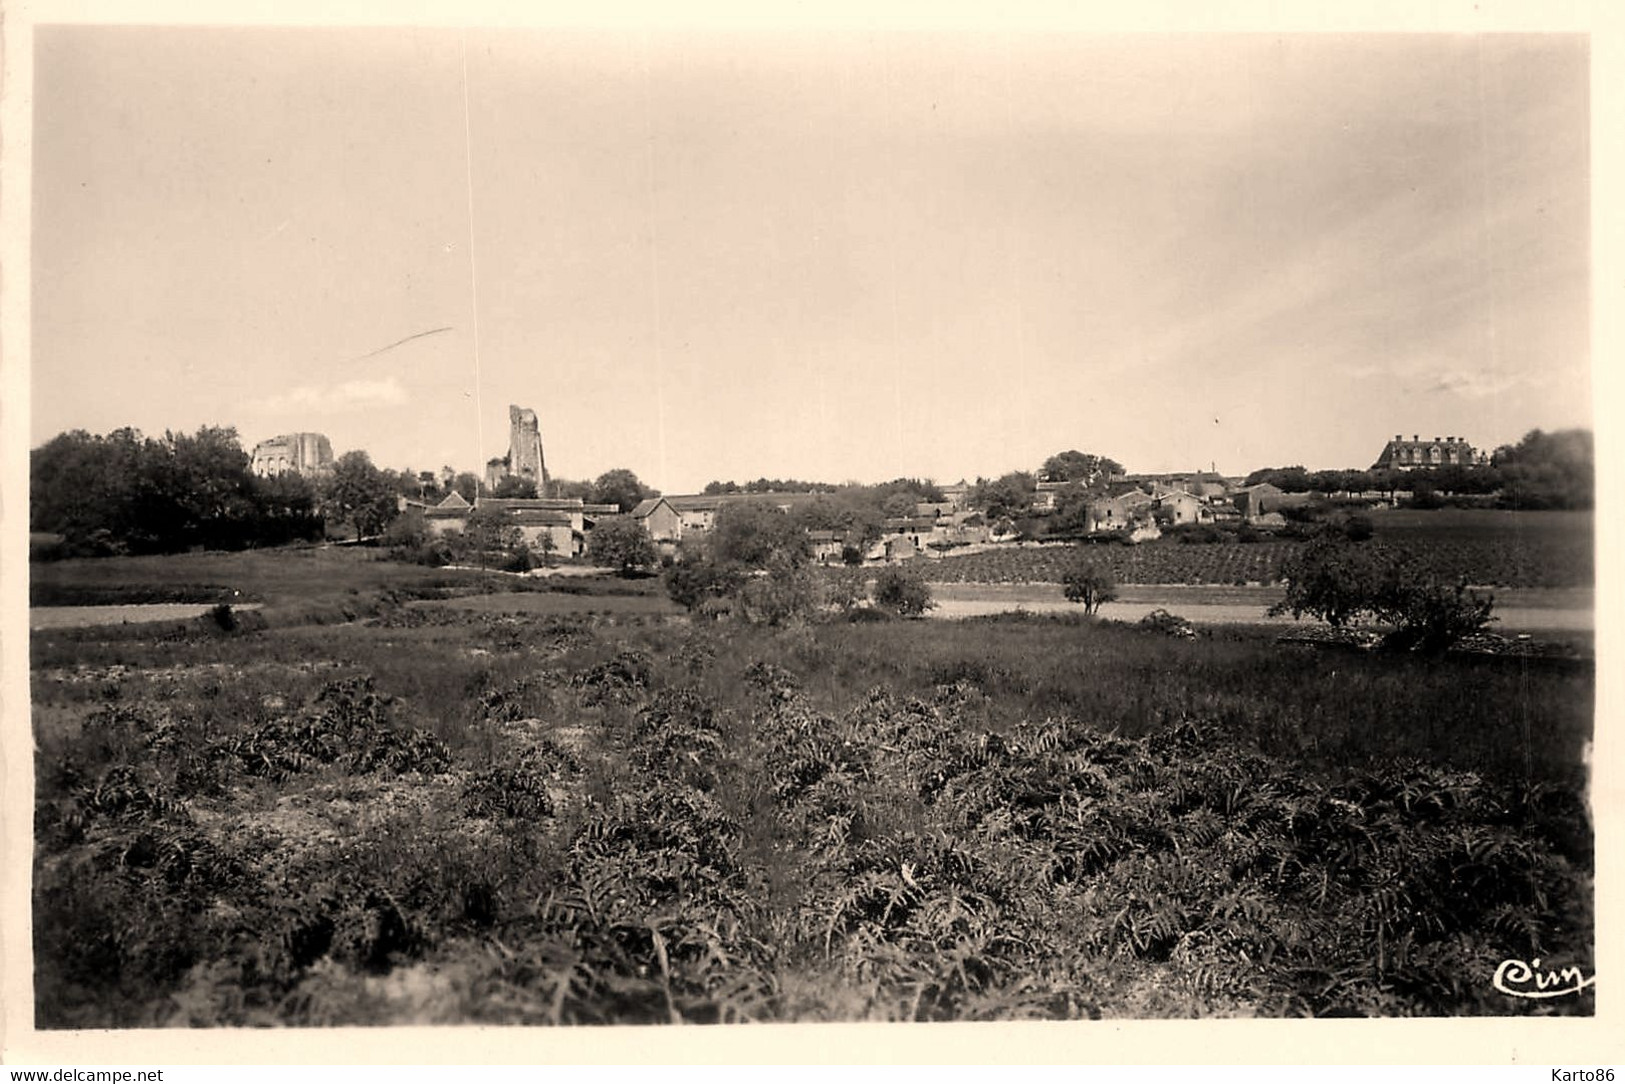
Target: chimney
(1398,439)
(1415,438)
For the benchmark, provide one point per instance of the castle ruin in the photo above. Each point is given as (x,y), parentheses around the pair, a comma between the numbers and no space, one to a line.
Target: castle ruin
(524,458)
(296,453)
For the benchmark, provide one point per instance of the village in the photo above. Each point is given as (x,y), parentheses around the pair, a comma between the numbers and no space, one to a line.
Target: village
(1107,502)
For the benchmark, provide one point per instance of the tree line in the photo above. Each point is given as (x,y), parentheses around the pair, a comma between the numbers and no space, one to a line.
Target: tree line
(126,493)
(1542,471)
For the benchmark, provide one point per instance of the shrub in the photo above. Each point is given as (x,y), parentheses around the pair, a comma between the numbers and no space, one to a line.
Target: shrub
(1168,624)
(1197,534)
(1432,616)
(903,592)
(777,595)
(408,532)
(1342,583)
(845,590)
(1358,527)
(224,617)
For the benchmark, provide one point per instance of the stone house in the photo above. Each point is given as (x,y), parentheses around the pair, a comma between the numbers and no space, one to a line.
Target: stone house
(663,522)
(568,539)
(1177,507)
(826,547)
(1122,512)
(449,516)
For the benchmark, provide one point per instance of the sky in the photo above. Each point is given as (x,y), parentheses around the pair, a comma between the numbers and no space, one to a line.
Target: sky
(827,256)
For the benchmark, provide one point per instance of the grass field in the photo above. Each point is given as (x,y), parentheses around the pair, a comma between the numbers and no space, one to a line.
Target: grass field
(452,812)
(1490,548)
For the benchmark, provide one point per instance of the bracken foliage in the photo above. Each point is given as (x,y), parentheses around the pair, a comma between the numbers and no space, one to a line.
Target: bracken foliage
(599,823)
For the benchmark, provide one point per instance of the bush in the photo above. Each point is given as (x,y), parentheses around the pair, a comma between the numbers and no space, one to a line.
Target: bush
(1342,583)
(903,592)
(845,590)
(408,532)
(1168,624)
(1431,616)
(777,596)
(1197,534)
(1358,527)
(699,584)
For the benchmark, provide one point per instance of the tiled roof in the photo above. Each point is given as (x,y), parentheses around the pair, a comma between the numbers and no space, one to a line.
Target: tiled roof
(646,508)
(545,504)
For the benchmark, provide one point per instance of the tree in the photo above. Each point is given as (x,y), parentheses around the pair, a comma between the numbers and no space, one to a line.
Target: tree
(696,582)
(548,546)
(902,591)
(467,485)
(756,534)
(1549,470)
(1090,583)
(777,595)
(621,543)
(128,493)
(621,488)
(359,494)
(1004,497)
(288,509)
(1286,479)
(514,487)
(408,537)
(845,589)
(1334,580)
(564,487)
(1083,467)
(491,536)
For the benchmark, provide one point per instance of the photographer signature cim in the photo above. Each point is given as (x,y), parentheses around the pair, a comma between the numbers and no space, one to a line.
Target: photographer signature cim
(1516,978)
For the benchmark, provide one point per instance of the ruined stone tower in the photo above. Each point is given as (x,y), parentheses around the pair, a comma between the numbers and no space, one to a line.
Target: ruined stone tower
(525,447)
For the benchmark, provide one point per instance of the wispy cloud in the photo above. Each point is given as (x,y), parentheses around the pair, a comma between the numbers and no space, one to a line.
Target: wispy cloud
(340,398)
(1476,384)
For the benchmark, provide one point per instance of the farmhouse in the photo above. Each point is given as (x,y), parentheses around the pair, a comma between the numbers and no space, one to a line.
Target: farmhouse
(827,547)
(663,522)
(1118,513)
(1262,504)
(698,512)
(449,515)
(567,520)
(1176,506)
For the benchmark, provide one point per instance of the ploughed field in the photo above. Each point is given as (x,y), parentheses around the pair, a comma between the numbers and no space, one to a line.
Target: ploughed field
(443,814)
(1485,547)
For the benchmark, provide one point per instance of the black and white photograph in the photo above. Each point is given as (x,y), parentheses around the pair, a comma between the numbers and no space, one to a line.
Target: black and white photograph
(546,526)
